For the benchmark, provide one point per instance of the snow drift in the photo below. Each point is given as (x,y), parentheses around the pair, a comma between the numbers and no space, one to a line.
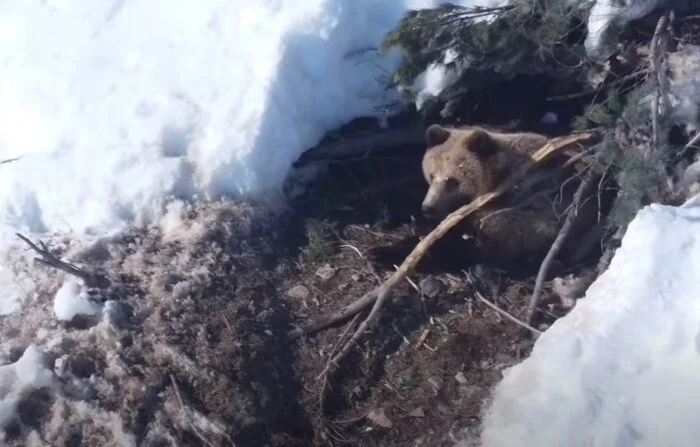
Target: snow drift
(620,369)
(112,108)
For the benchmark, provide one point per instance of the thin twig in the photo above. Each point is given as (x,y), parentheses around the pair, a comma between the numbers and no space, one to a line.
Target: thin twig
(693,142)
(557,245)
(195,429)
(9,160)
(421,295)
(502,312)
(47,258)
(382,293)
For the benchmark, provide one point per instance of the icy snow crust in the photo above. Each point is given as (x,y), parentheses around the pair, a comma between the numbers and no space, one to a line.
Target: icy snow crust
(622,368)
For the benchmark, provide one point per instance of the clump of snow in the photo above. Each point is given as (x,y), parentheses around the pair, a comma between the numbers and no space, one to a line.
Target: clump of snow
(684,65)
(621,368)
(437,78)
(606,14)
(72,300)
(27,373)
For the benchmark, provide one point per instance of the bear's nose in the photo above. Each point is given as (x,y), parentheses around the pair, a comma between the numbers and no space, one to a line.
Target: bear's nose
(429,211)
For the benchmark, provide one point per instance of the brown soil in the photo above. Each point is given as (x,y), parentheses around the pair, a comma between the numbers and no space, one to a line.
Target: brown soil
(212,309)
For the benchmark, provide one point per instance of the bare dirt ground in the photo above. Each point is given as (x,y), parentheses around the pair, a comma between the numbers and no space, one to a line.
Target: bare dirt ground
(196,349)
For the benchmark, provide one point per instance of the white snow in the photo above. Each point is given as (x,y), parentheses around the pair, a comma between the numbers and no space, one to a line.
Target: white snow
(607,13)
(28,372)
(621,369)
(72,300)
(116,107)
(684,84)
(437,78)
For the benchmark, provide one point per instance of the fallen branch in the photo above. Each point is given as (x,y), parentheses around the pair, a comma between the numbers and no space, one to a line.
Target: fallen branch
(661,103)
(379,295)
(194,427)
(556,245)
(47,258)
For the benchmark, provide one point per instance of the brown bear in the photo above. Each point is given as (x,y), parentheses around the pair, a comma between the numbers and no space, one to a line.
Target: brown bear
(463,163)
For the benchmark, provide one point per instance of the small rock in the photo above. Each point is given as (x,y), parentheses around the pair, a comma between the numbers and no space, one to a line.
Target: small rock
(417,413)
(299,292)
(355,277)
(430,287)
(459,377)
(378,417)
(326,272)
(60,366)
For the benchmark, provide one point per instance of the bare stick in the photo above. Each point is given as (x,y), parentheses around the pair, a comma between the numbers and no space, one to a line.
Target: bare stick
(556,245)
(660,102)
(483,299)
(46,258)
(693,142)
(195,429)
(379,295)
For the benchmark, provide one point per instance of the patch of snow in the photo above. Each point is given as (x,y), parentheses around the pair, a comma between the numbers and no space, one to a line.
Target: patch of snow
(437,78)
(607,13)
(621,368)
(684,65)
(72,300)
(28,372)
(115,108)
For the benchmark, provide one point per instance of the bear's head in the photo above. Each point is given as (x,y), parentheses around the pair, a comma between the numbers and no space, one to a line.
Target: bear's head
(460,165)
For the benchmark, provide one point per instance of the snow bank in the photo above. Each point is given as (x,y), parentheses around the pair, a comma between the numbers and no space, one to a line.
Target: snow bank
(115,107)
(622,368)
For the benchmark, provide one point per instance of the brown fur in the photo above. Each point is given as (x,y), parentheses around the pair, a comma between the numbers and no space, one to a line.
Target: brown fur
(461,164)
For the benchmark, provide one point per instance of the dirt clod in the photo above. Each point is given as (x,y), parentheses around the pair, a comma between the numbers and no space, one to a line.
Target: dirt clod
(325,272)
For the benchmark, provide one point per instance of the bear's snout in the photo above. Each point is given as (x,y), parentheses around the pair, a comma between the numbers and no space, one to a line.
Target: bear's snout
(429,211)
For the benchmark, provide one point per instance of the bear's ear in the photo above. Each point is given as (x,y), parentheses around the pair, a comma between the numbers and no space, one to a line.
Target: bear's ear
(481,143)
(436,134)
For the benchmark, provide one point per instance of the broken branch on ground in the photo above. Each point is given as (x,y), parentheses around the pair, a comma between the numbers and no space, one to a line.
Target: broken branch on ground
(47,258)
(381,294)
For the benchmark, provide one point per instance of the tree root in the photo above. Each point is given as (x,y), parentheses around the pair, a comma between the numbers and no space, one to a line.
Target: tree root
(380,295)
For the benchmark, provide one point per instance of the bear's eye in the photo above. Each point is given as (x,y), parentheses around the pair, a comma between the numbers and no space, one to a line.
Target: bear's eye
(451,184)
